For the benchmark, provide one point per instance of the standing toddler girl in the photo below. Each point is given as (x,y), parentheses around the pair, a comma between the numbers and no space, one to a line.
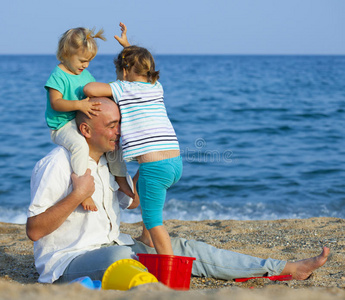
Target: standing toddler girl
(147,134)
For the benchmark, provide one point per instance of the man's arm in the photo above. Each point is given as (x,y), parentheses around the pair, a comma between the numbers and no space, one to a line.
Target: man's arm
(45,223)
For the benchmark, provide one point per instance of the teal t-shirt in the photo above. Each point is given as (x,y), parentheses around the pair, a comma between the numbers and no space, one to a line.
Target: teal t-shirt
(71,88)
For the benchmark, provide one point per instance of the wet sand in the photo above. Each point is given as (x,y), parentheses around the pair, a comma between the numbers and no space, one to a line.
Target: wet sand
(292,239)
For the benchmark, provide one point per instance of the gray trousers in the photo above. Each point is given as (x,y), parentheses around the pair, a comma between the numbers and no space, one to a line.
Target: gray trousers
(210,261)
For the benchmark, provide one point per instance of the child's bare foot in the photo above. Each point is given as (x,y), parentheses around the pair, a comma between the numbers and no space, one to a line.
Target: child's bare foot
(124,186)
(88,204)
(145,237)
(145,240)
(302,269)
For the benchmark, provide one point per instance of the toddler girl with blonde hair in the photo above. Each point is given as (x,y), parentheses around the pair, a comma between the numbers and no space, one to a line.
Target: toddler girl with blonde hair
(76,48)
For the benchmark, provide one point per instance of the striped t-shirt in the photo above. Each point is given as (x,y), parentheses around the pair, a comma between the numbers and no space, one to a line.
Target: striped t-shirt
(145,126)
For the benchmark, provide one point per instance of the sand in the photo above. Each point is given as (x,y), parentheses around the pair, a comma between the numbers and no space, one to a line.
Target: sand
(291,239)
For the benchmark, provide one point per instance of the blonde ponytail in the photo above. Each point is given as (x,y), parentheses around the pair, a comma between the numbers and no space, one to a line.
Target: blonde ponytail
(76,39)
(98,35)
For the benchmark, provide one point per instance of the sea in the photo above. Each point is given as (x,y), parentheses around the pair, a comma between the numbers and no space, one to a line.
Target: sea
(262,137)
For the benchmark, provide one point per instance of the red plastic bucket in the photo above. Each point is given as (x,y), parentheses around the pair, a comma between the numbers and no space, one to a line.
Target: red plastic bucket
(174,271)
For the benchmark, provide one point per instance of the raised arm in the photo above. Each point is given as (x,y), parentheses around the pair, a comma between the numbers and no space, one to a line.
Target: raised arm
(45,223)
(97,89)
(123,39)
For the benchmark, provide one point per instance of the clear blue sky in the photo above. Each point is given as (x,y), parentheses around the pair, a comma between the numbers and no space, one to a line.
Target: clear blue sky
(180,26)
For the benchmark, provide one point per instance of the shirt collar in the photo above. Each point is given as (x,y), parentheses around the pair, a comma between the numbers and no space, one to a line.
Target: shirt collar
(102,161)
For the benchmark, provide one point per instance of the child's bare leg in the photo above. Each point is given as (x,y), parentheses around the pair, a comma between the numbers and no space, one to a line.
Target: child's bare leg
(302,269)
(124,186)
(161,240)
(88,204)
(145,237)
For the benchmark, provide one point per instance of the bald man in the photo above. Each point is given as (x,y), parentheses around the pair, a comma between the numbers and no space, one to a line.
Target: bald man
(70,242)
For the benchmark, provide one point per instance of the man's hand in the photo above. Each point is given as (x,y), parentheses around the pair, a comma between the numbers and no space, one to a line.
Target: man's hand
(83,186)
(123,39)
(46,222)
(89,108)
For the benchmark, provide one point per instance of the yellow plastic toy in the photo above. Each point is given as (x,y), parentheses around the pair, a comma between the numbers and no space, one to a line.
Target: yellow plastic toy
(125,274)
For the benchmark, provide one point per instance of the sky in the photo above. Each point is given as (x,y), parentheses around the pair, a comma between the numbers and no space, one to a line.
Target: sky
(293,27)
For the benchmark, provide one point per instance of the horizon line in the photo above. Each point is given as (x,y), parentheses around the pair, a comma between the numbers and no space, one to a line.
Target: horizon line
(199,54)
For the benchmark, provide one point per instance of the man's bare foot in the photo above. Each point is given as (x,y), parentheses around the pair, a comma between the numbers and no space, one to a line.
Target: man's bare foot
(302,269)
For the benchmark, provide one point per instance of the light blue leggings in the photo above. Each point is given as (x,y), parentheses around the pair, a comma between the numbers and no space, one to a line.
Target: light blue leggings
(154,180)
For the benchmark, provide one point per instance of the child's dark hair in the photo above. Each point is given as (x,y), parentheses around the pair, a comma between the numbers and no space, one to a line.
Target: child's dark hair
(138,58)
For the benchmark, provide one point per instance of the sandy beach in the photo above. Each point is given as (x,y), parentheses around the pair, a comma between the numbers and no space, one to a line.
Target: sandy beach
(291,239)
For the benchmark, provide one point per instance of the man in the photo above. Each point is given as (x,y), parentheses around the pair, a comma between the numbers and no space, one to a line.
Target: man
(71,242)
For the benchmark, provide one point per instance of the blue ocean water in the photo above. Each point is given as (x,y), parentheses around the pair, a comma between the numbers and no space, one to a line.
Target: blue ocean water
(262,137)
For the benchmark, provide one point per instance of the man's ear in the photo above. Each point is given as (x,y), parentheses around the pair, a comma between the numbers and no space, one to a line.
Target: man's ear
(85,130)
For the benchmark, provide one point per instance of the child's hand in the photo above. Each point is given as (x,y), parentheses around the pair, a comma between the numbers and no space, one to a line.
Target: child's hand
(124,186)
(123,39)
(89,108)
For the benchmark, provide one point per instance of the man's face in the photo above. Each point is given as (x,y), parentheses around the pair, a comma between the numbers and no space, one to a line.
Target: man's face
(105,130)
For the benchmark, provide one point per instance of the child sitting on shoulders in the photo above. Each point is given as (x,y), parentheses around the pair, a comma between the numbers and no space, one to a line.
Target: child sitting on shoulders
(76,48)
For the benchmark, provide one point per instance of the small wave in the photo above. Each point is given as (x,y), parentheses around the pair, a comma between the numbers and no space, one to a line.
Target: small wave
(321,172)
(266,130)
(6,155)
(315,116)
(208,210)
(12,215)
(202,210)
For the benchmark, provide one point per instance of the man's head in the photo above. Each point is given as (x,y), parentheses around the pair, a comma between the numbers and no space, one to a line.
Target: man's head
(102,132)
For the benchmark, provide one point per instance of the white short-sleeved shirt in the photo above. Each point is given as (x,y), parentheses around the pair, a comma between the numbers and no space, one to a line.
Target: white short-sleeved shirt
(83,230)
